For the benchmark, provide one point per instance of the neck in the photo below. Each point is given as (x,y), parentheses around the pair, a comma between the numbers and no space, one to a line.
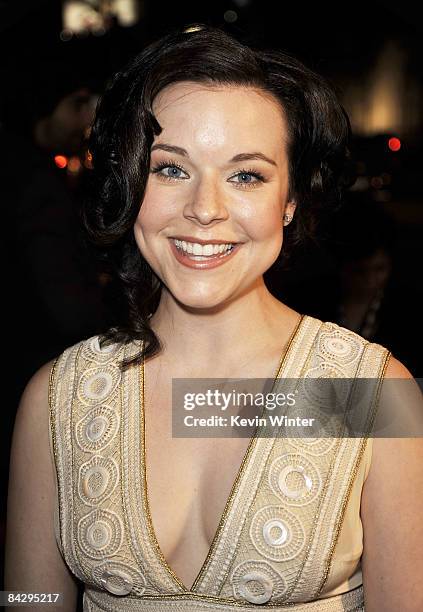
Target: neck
(253,322)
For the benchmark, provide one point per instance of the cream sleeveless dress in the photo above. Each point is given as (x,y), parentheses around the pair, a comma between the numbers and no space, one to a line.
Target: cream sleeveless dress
(103,525)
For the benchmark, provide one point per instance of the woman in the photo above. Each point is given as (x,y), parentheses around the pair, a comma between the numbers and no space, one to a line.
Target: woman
(230,151)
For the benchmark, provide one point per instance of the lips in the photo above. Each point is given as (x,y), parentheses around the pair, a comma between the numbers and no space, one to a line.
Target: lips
(206,262)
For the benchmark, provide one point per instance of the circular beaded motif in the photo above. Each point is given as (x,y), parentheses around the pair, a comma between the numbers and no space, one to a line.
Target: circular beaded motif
(100,533)
(96,384)
(118,578)
(338,346)
(294,479)
(97,428)
(92,351)
(257,582)
(98,478)
(325,369)
(276,533)
(324,387)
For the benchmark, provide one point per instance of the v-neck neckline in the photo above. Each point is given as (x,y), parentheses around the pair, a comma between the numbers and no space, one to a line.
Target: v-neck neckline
(235,486)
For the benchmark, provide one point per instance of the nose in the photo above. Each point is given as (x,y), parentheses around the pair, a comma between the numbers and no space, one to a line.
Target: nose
(207,202)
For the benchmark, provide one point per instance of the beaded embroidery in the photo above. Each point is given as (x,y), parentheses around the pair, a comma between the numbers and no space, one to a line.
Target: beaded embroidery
(281,523)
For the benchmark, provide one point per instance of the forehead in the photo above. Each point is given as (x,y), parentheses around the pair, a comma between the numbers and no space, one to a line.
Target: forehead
(221,115)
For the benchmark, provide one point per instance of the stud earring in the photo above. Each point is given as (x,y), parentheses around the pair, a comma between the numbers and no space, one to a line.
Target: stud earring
(287,219)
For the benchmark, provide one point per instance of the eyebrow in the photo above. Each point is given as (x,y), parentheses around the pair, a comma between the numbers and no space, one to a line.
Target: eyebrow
(237,158)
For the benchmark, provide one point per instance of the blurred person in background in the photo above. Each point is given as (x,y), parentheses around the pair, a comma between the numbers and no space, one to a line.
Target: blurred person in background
(58,286)
(370,295)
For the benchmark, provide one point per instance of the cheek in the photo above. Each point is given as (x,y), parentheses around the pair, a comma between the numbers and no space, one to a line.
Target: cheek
(155,211)
(264,220)
(145,220)
(145,227)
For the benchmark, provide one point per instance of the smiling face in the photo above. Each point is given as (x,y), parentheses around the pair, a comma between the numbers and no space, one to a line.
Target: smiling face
(218,173)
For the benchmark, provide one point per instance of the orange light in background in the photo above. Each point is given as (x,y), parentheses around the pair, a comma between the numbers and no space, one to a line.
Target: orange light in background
(394,144)
(74,165)
(61,161)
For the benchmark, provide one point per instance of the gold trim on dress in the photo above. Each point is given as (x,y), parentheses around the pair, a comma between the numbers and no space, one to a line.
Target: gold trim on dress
(351,601)
(52,403)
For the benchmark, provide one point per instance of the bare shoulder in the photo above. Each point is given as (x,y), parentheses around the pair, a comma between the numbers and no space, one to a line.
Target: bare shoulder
(396,369)
(32,415)
(392,499)
(35,395)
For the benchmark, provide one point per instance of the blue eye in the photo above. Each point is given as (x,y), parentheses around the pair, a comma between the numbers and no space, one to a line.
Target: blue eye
(169,171)
(247,178)
(172,171)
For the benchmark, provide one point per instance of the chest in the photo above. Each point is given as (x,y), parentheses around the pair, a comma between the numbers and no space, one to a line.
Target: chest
(189,481)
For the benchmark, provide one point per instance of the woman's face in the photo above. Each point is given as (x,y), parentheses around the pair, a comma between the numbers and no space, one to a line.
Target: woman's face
(218,177)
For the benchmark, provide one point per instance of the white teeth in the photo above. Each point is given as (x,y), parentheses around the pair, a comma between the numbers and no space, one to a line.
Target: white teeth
(205,250)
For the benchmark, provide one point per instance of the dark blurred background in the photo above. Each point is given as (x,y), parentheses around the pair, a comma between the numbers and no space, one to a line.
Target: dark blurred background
(363,273)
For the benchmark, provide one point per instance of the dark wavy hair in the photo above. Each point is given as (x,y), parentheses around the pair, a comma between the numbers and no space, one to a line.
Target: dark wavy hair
(125,127)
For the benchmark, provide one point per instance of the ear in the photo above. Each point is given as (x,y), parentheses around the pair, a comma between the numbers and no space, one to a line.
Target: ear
(289,211)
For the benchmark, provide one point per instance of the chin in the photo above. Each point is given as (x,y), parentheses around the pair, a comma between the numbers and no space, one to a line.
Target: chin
(204,301)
